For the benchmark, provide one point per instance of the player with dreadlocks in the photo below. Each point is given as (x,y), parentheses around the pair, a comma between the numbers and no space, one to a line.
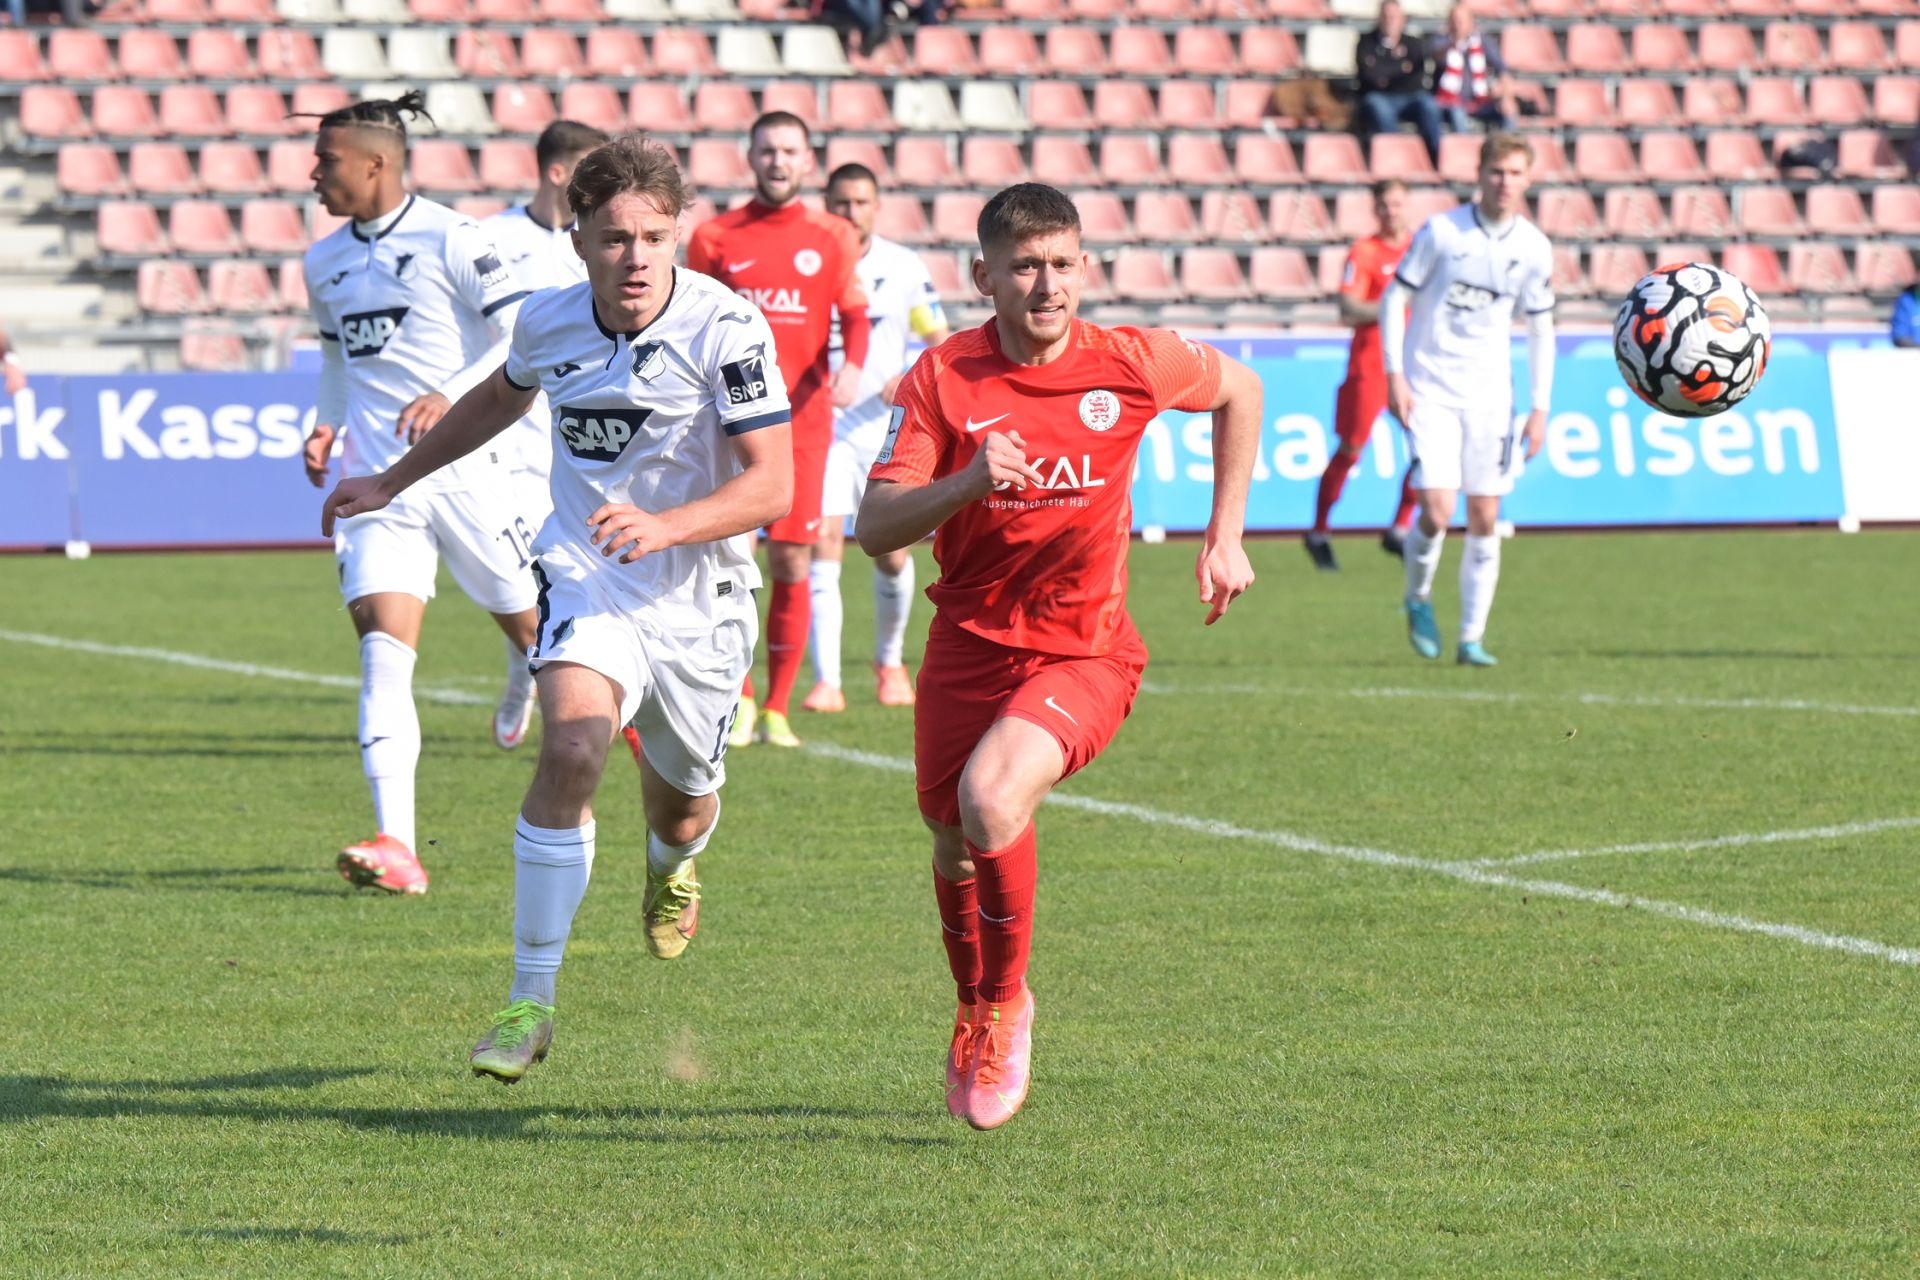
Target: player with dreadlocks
(415,308)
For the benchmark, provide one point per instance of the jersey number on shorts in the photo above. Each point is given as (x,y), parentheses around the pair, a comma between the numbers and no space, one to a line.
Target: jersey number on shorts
(720,740)
(519,541)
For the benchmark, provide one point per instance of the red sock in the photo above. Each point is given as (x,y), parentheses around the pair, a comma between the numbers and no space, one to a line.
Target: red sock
(1409,503)
(1333,481)
(960,930)
(788,618)
(1006,879)
(746,686)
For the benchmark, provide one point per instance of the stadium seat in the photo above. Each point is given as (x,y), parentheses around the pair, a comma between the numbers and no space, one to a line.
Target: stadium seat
(1672,155)
(1269,51)
(319,13)
(259,110)
(350,54)
(457,107)
(797,97)
(1647,103)
(1727,46)
(1613,269)
(991,163)
(812,51)
(1008,51)
(924,106)
(436,12)
(320,223)
(274,227)
(945,51)
(1550,163)
(1282,273)
(746,51)
(681,52)
(1835,211)
(718,164)
(120,111)
(924,162)
(507,165)
(1661,47)
(210,351)
(987,106)
(1073,51)
(902,218)
(290,165)
(570,11)
(486,55)
(615,52)
(1605,158)
(1566,213)
(1246,104)
(441,167)
(1187,104)
(79,56)
(1103,218)
(20,58)
(505,13)
(163,288)
(1140,51)
(956,215)
(656,107)
(1232,216)
(1858,46)
(162,169)
(1581,104)
(1353,214)
(1141,275)
(192,111)
(1403,156)
(292,56)
(1332,158)
(1063,162)
(1734,155)
(1131,160)
(1866,153)
(1884,268)
(871,154)
(1123,104)
(1460,157)
(1838,101)
(1906,44)
(640,10)
(1198,160)
(1775,100)
(1701,212)
(250,13)
(1712,100)
(521,108)
(551,55)
(241,288)
(1299,217)
(1896,210)
(723,106)
(1792,47)
(1569,280)
(129,229)
(1165,216)
(1758,265)
(858,105)
(1329,50)
(1896,100)
(91,171)
(1260,160)
(943,269)
(1059,104)
(1595,48)
(384,13)
(201,227)
(1213,275)
(1202,49)
(150,55)
(1766,211)
(220,53)
(1532,50)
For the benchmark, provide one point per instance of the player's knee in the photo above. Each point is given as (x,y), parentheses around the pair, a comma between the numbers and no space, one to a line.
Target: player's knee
(680,819)
(571,758)
(950,860)
(992,811)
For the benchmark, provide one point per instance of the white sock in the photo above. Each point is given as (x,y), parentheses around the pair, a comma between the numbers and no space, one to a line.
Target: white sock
(1479,575)
(664,859)
(389,732)
(519,679)
(823,586)
(1422,558)
(892,602)
(550,873)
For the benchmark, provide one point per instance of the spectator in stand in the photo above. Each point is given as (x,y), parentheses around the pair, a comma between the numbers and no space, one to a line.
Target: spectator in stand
(866,19)
(1393,80)
(15,376)
(1905,331)
(1470,80)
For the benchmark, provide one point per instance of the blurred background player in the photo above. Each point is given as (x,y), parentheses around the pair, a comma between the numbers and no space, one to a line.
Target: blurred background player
(1363,396)
(535,240)
(797,266)
(902,306)
(646,569)
(1016,442)
(414,306)
(1450,379)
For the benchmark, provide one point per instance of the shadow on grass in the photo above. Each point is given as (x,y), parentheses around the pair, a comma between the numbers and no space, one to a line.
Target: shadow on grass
(206,879)
(222,1097)
(291,1235)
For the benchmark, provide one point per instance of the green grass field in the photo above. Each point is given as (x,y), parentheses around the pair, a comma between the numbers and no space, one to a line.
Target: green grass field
(1328,1037)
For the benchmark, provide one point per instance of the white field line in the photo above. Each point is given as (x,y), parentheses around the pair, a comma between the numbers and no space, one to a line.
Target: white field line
(1654,701)
(1463,871)
(1838,831)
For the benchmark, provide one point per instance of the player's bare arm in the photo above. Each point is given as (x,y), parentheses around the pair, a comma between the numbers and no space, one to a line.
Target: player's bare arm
(421,416)
(760,493)
(894,515)
(1223,569)
(317,451)
(480,415)
(1355,311)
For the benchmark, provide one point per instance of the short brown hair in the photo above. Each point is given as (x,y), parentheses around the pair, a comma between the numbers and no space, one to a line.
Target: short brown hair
(1499,146)
(779,119)
(1385,185)
(1025,210)
(629,163)
(565,138)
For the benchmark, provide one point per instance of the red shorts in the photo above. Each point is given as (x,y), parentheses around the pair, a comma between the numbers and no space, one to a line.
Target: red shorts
(1358,406)
(967,683)
(811,443)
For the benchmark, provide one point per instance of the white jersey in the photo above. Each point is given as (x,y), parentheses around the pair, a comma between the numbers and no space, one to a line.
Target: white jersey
(1467,284)
(409,306)
(902,305)
(543,258)
(645,418)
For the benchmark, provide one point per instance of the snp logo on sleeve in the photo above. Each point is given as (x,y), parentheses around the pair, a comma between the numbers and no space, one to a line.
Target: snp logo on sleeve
(491,270)
(366,333)
(600,435)
(747,379)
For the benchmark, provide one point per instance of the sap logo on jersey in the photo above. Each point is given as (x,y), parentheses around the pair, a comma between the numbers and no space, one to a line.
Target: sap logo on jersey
(366,333)
(747,379)
(599,434)
(776,302)
(1060,474)
(1462,296)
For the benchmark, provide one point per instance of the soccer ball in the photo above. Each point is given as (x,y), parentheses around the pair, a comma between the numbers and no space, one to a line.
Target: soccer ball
(1692,340)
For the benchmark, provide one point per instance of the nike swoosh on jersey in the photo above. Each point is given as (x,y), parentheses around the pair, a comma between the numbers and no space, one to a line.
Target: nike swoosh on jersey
(1062,710)
(973,426)
(741,266)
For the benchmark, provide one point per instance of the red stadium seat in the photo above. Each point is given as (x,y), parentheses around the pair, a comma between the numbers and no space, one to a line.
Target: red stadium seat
(1858,46)
(1198,160)
(1896,100)
(1604,158)
(1595,48)
(1123,104)
(1896,210)
(220,53)
(91,170)
(1282,273)
(944,51)
(1232,216)
(1866,153)
(599,105)
(858,105)
(723,106)
(290,165)
(679,52)
(1884,268)
(20,60)
(924,161)
(1141,51)
(1775,100)
(991,163)
(1059,104)
(1661,47)
(1727,46)
(441,166)
(240,288)
(943,269)
(1263,161)
(718,164)
(1299,217)
(1766,211)
(1838,101)
(1906,44)
(1531,50)
(150,55)
(1758,265)
(1188,104)
(1793,47)
(79,56)
(438,12)
(162,169)
(523,108)
(1734,155)
(1201,49)
(1141,275)
(130,228)
(1647,103)
(1708,100)
(1550,163)
(274,227)
(1007,51)
(1403,156)
(233,169)
(1064,162)
(121,112)
(1165,216)
(502,12)
(902,218)
(260,111)
(1074,51)
(1569,279)
(163,288)
(1701,212)
(867,152)
(1332,158)
(1567,213)
(251,13)
(1103,218)
(1353,214)
(192,111)
(1246,104)
(1614,269)
(956,216)
(1580,103)
(175,11)
(1671,155)
(487,55)
(1269,51)
(202,226)
(1834,211)
(797,97)
(1460,157)
(552,55)
(1131,160)
(508,165)
(615,51)
(1213,275)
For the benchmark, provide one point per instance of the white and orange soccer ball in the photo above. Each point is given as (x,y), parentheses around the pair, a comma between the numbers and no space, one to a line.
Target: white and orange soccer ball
(1692,339)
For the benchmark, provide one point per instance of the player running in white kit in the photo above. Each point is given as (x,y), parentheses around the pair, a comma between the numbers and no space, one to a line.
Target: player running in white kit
(1450,379)
(903,306)
(413,305)
(672,442)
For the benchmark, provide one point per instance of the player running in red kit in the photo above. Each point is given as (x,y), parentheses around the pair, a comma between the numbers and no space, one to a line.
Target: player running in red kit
(1363,396)
(1016,442)
(798,266)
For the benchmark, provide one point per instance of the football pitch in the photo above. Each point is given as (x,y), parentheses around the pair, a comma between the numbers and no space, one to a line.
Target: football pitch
(1605,962)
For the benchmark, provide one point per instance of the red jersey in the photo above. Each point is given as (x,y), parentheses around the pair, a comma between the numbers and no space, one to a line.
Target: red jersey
(797,266)
(1042,569)
(1370,267)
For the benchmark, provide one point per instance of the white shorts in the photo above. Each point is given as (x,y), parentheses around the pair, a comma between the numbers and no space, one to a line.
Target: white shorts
(487,543)
(532,495)
(848,462)
(1475,449)
(679,689)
